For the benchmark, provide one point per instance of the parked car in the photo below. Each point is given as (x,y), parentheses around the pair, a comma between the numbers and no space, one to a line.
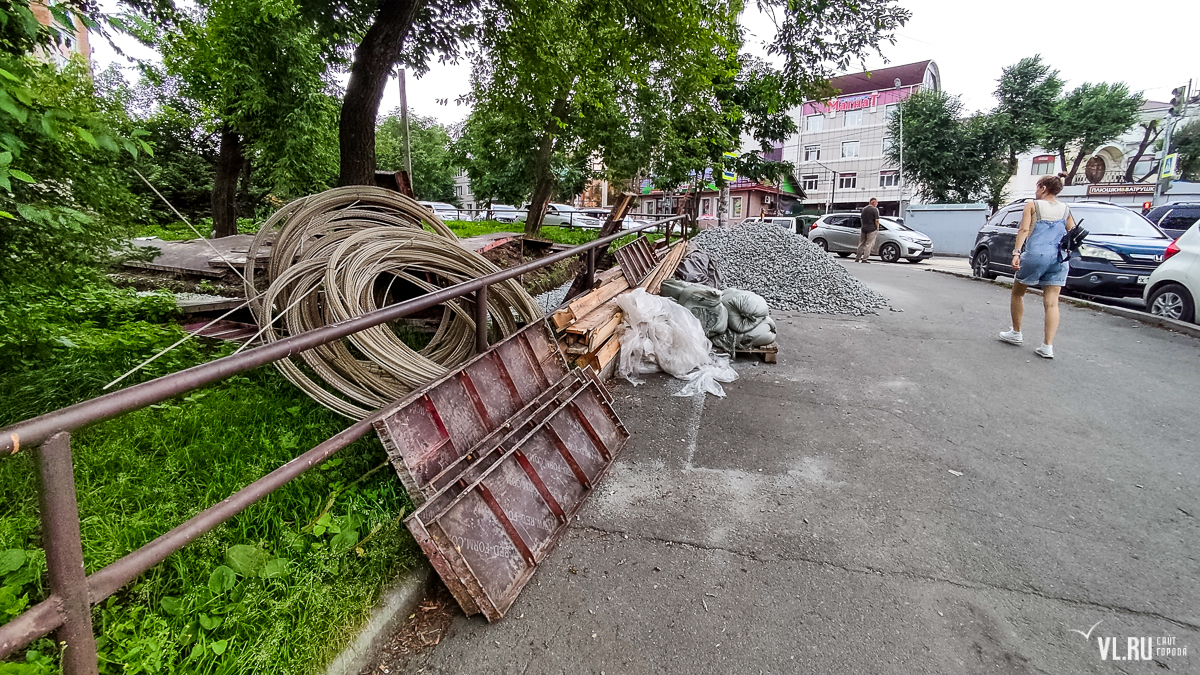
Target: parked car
(1174,287)
(630,221)
(839,233)
(501,213)
(564,215)
(442,210)
(1175,219)
(1121,250)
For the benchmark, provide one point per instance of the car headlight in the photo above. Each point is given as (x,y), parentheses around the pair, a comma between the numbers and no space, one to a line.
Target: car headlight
(1090,251)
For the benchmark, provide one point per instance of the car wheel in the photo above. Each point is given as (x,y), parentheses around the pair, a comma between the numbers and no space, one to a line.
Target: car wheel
(843,254)
(979,265)
(889,252)
(1172,301)
(822,243)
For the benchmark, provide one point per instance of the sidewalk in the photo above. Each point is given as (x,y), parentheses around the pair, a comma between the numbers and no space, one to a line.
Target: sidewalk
(880,501)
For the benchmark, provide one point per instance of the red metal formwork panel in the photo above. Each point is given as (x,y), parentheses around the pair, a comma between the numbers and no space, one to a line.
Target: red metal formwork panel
(636,259)
(433,428)
(486,531)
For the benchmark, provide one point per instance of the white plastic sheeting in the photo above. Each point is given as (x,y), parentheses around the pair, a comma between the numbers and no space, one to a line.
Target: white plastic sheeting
(660,334)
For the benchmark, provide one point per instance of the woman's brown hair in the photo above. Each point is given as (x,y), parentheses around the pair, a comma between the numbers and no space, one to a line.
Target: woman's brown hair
(1053,184)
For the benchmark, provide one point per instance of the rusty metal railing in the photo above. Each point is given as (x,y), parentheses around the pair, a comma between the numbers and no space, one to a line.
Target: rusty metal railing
(67,610)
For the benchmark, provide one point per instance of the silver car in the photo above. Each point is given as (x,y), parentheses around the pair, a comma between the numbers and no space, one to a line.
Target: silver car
(564,215)
(839,232)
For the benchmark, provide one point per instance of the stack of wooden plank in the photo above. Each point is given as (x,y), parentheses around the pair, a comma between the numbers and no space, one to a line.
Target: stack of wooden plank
(588,324)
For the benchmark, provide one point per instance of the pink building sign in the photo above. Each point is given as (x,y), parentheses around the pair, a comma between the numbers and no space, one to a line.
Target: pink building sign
(859,101)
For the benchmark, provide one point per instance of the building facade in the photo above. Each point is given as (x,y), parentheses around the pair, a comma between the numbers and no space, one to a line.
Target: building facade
(839,151)
(747,199)
(1105,174)
(74,43)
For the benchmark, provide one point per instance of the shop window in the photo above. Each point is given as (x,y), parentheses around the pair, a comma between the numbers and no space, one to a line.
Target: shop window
(737,207)
(847,180)
(1043,165)
(706,206)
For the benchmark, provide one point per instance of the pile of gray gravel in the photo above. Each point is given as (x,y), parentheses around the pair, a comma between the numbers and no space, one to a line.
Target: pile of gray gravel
(787,270)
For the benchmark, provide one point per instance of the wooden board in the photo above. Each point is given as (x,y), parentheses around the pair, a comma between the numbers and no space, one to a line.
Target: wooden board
(581,306)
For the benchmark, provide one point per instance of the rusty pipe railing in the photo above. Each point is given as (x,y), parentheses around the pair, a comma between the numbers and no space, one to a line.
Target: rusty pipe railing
(66,610)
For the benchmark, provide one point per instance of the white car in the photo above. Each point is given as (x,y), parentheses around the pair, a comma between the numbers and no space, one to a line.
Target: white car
(1172,289)
(564,215)
(442,210)
(839,233)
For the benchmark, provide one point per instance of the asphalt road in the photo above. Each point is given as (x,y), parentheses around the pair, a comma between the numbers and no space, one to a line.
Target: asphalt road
(901,493)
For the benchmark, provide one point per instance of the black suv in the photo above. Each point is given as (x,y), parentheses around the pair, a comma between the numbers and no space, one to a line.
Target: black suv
(1174,219)
(1121,250)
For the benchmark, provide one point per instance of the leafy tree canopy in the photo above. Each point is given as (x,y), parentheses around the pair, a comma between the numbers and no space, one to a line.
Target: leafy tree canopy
(1088,116)
(1186,142)
(433,167)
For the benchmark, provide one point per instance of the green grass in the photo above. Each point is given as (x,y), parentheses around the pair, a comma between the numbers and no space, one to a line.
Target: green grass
(179,231)
(558,235)
(279,588)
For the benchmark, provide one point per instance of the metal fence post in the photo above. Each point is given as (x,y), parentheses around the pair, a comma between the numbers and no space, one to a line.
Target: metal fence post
(591,269)
(64,555)
(481,320)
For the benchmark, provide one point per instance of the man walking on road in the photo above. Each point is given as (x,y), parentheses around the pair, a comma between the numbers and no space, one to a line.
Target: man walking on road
(870,226)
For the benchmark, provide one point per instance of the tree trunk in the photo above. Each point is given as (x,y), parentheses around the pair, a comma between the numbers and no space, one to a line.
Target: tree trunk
(225,183)
(373,61)
(543,187)
(1147,139)
(1070,179)
(723,205)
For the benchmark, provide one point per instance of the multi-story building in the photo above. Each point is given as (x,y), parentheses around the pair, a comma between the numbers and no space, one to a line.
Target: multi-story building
(839,151)
(74,43)
(462,191)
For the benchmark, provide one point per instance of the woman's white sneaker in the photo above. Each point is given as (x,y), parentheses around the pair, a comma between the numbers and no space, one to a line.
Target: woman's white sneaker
(1045,351)
(1012,337)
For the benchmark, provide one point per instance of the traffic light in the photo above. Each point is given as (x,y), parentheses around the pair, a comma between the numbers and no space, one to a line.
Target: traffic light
(1178,101)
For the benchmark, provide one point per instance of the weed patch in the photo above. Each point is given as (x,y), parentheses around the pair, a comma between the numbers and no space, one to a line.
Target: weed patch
(277,589)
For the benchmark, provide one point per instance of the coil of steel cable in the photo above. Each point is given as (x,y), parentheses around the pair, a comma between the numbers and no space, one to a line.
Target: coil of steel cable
(347,251)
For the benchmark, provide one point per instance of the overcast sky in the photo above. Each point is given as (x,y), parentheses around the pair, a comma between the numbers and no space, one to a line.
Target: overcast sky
(1092,42)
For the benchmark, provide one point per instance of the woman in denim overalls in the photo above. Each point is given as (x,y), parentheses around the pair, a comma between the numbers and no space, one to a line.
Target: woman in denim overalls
(1044,221)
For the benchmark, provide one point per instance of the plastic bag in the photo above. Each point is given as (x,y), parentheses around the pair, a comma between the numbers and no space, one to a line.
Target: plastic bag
(660,334)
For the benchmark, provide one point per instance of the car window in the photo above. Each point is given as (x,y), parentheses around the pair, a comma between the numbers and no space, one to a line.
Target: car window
(1115,222)
(1177,220)
(1009,219)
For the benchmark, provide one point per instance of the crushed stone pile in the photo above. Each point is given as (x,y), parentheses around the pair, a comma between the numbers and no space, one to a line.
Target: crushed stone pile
(787,270)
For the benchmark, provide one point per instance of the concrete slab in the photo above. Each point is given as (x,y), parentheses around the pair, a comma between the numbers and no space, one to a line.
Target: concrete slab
(901,493)
(196,256)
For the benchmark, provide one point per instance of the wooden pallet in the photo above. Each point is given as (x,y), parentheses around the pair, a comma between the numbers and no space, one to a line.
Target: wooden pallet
(767,353)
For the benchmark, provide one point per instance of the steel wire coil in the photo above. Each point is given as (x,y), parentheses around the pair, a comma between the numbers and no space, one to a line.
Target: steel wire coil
(340,254)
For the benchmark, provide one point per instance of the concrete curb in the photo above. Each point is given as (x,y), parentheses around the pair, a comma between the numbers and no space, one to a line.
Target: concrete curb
(1189,329)
(394,606)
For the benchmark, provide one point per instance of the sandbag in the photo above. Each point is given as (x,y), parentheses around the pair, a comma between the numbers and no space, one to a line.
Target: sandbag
(763,334)
(746,309)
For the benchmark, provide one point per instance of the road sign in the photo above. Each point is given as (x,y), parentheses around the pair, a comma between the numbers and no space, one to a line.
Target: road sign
(728,173)
(1169,166)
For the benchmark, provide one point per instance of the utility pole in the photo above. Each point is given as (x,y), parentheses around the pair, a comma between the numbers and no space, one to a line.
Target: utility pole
(900,113)
(404,123)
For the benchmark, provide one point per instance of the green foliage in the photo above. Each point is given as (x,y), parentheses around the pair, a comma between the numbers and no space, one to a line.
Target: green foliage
(267,592)
(948,156)
(1088,116)
(65,191)
(1186,141)
(433,167)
